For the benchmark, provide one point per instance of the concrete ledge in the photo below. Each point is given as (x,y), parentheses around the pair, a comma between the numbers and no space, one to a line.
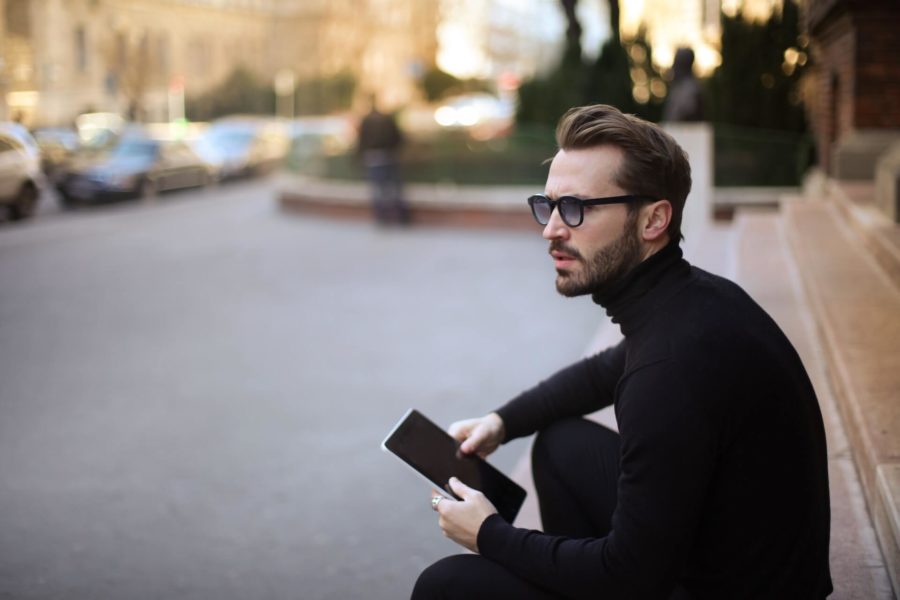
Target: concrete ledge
(856,302)
(855,155)
(887,183)
(752,197)
(429,204)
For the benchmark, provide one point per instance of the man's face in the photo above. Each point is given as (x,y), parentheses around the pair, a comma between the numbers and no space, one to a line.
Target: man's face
(596,254)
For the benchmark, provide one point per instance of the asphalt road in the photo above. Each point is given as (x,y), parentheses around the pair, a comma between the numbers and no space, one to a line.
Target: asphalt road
(193,392)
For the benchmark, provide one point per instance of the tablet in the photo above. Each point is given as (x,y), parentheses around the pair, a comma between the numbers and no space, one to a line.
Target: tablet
(434,455)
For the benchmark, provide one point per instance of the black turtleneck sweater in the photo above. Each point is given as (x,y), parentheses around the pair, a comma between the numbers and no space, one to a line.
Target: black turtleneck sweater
(723,486)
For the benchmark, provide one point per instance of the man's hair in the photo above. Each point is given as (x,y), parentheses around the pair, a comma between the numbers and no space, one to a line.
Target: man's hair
(653,164)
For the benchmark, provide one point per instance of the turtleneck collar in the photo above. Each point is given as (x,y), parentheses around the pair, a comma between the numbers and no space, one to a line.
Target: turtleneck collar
(630,301)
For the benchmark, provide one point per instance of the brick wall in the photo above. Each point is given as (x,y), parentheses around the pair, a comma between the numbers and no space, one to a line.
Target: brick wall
(856,49)
(878,68)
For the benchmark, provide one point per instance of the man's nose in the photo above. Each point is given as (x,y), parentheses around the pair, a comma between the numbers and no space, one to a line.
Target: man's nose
(555,228)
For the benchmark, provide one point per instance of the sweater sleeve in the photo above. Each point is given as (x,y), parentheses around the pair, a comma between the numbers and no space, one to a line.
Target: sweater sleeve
(576,390)
(666,465)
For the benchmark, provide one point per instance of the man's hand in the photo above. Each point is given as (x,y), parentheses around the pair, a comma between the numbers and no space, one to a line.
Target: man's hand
(461,520)
(481,436)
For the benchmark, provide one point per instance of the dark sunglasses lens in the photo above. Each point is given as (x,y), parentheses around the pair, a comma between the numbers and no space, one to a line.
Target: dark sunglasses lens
(570,211)
(540,208)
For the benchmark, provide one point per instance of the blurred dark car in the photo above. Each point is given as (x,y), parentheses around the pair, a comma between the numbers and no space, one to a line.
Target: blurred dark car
(135,167)
(243,146)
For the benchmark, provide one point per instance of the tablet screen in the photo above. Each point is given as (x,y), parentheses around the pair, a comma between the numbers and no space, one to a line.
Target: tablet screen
(434,454)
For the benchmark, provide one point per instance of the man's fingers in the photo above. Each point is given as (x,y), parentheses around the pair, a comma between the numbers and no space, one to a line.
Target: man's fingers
(460,430)
(460,489)
(469,445)
(457,430)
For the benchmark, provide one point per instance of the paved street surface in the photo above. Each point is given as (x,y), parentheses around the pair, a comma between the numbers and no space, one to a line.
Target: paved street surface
(193,392)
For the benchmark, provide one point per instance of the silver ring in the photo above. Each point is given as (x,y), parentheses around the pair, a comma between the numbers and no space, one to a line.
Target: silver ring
(435,500)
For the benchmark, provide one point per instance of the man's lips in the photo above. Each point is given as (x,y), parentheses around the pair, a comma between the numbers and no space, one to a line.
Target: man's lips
(562,259)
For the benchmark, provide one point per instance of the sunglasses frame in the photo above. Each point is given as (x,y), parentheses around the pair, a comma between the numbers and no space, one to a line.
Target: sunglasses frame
(580,203)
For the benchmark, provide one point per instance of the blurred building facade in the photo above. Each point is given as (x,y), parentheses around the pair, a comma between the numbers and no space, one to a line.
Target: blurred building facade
(59,58)
(64,57)
(499,39)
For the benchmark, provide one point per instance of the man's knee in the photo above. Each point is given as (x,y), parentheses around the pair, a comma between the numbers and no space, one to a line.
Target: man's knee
(570,442)
(556,441)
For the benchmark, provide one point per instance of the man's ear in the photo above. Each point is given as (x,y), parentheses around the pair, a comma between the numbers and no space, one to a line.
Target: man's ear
(656,219)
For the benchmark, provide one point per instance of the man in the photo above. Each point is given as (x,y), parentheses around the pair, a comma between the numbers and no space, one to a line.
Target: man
(379,144)
(716,485)
(684,101)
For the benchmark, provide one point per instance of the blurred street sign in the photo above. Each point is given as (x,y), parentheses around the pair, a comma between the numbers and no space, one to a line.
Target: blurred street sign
(285,86)
(284,82)
(176,98)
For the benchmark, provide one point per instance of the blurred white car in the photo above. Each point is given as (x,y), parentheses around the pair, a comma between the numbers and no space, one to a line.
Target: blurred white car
(21,178)
(484,115)
(243,146)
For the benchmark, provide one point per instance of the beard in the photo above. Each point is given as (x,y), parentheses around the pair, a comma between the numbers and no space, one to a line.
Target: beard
(604,268)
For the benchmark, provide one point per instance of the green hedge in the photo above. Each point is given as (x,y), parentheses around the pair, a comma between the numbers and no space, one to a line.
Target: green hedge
(743,157)
(451,157)
(760,157)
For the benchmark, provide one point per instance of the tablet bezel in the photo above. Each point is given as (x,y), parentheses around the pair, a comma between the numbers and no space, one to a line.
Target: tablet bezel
(443,488)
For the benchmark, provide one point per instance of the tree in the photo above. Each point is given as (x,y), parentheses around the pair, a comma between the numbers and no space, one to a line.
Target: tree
(436,83)
(240,93)
(758,82)
(608,80)
(574,29)
(324,94)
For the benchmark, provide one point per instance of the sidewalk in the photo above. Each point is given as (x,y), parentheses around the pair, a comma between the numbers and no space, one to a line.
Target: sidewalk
(833,291)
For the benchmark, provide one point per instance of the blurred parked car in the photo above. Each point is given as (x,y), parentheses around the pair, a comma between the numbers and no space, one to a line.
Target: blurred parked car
(57,145)
(243,146)
(20,133)
(313,138)
(92,149)
(135,167)
(484,116)
(20,171)
(99,129)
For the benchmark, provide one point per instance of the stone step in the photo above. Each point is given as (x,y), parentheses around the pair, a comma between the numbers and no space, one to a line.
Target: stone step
(855,302)
(879,235)
(768,272)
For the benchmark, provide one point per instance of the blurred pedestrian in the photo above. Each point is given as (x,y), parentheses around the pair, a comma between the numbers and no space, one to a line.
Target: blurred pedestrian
(716,483)
(380,140)
(684,102)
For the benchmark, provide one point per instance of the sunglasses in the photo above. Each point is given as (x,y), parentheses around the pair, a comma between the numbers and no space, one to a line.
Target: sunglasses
(571,209)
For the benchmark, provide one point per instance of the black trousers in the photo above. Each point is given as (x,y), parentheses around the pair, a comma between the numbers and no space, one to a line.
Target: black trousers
(575,465)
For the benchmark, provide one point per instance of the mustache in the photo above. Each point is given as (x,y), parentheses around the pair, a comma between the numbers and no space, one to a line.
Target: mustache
(558,246)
